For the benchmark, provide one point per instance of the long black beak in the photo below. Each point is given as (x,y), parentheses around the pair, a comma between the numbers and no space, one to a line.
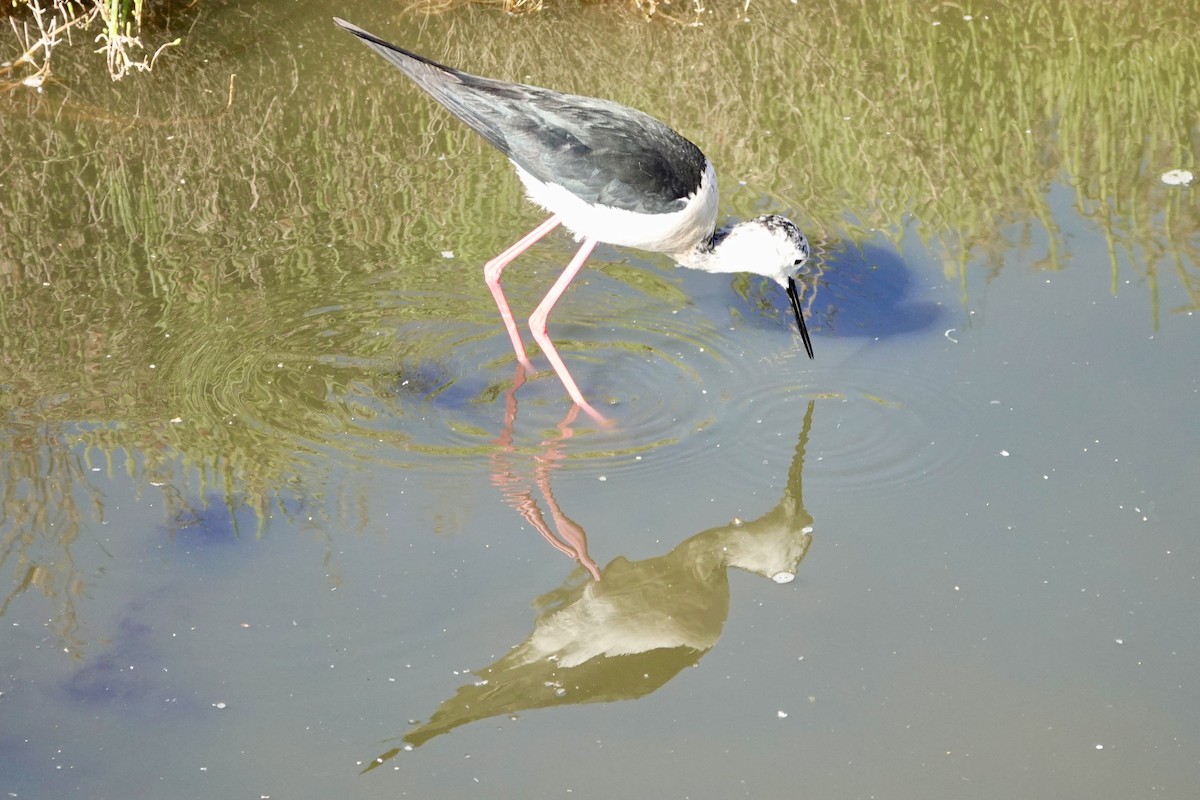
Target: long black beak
(795,298)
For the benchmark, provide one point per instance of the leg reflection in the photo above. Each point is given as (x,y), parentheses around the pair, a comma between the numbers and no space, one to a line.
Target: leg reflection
(518,490)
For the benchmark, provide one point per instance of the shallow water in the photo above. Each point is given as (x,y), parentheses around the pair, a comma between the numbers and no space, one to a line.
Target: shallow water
(277,520)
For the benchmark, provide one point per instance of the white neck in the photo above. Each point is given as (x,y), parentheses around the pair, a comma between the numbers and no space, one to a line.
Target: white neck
(743,247)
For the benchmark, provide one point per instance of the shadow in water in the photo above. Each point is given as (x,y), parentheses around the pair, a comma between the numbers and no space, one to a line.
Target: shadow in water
(854,291)
(109,678)
(134,667)
(621,632)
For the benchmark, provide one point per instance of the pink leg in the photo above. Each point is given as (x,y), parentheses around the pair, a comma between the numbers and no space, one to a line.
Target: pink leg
(537,324)
(491,275)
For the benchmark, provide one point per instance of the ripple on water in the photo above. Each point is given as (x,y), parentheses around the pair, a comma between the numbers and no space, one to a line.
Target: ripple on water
(871,427)
(647,376)
(398,379)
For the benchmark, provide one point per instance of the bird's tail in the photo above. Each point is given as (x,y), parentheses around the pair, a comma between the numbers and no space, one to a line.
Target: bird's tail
(450,87)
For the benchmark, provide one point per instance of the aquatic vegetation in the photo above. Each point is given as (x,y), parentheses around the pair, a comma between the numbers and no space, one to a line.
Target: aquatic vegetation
(43,25)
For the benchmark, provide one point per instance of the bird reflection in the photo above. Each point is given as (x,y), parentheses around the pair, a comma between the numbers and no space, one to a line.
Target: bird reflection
(624,631)
(518,493)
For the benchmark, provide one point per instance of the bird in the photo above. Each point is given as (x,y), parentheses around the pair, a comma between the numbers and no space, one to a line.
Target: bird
(608,173)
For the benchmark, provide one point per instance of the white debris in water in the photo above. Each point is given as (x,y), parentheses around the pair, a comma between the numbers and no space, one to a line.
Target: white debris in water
(1178,177)
(781,714)
(447,254)
(783,577)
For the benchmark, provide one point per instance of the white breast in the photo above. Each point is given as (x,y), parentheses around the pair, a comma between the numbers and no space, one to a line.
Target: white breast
(675,232)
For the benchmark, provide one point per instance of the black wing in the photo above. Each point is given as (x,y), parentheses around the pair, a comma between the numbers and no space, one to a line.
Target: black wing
(600,151)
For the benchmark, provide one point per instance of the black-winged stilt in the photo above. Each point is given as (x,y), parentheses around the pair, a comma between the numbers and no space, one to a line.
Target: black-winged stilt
(609,173)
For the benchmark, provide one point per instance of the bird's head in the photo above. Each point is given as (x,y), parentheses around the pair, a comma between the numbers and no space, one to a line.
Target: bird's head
(770,245)
(773,246)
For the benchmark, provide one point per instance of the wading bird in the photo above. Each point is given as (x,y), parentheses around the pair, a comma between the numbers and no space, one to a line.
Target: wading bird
(608,173)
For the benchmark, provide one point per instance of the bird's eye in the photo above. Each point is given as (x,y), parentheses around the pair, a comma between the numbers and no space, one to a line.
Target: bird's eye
(799,261)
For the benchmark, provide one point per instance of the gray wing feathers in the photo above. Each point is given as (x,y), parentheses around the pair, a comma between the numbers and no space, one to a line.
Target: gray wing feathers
(601,151)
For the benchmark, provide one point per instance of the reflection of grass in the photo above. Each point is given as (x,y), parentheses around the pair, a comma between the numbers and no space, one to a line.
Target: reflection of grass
(964,123)
(44,502)
(687,12)
(165,225)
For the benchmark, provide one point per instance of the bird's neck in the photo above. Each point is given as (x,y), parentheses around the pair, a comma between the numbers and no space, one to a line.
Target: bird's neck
(711,254)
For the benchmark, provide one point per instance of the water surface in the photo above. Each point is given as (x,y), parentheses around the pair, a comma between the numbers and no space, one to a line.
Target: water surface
(277,519)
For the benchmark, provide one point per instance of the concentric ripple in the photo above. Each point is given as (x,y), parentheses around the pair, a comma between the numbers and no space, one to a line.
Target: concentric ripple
(640,366)
(413,377)
(871,427)
(426,376)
